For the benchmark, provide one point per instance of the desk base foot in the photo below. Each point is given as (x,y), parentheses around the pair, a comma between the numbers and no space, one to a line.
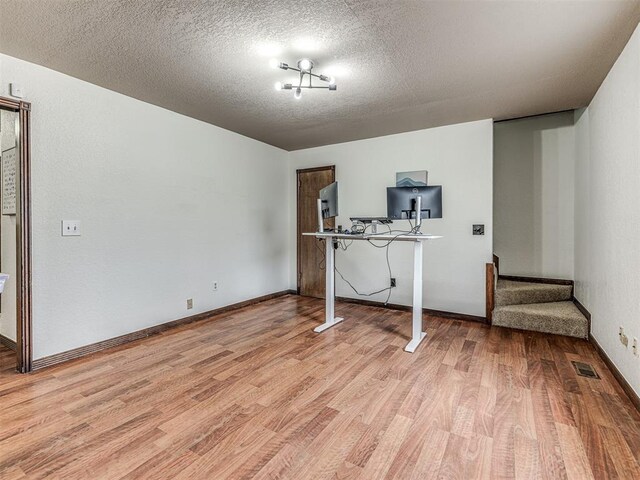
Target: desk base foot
(325,325)
(413,344)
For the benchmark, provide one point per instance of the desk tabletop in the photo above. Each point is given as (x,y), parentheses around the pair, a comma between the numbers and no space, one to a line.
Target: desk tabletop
(408,237)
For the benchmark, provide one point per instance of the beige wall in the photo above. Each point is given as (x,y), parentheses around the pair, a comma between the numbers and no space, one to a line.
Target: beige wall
(607,254)
(533,196)
(459,158)
(168,205)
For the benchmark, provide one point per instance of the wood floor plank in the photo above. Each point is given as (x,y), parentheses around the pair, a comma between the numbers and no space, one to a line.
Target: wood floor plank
(591,437)
(255,393)
(621,455)
(433,448)
(573,453)
(387,449)
(527,462)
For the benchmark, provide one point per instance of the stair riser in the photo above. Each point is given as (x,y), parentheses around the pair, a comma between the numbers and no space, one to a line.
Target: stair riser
(524,296)
(541,323)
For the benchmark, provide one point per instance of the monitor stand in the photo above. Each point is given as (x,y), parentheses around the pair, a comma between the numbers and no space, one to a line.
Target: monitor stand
(320,218)
(418,214)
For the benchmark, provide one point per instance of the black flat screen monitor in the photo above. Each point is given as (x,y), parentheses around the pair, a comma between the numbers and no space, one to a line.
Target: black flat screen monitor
(329,199)
(401,202)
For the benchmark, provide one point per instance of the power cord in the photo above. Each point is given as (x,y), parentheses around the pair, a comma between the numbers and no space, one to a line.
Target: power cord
(386,247)
(344,244)
(322,263)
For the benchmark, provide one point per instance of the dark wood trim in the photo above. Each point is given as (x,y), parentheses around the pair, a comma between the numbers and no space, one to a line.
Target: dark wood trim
(298,232)
(633,396)
(315,169)
(635,399)
(147,332)
(24,353)
(7,342)
(455,316)
(490,291)
(552,281)
(584,311)
(407,308)
(582,308)
(12,103)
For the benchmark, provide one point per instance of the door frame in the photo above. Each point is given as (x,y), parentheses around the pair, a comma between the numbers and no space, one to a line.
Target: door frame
(24,347)
(332,168)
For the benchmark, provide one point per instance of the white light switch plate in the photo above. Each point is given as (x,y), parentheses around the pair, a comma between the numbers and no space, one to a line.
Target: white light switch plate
(70,228)
(16,90)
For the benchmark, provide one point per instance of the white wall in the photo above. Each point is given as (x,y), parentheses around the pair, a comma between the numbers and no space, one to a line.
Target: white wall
(607,254)
(533,196)
(583,224)
(459,157)
(8,122)
(168,205)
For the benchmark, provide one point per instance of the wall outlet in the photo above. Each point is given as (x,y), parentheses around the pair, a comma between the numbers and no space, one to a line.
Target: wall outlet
(215,286)
(393,282)
(634,347)
(624,340)
(189,303)
(70,228)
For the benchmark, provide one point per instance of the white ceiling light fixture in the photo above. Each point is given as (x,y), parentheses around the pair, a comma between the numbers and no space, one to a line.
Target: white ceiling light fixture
(305,67)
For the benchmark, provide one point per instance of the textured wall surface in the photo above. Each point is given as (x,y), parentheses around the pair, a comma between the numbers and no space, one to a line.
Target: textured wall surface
(607,256)
(533,194)
(459,158)
(168,205)
(400,66)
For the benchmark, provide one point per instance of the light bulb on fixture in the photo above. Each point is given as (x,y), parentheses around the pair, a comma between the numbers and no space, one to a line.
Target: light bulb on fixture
(305,64)
(273,63)
(305,68)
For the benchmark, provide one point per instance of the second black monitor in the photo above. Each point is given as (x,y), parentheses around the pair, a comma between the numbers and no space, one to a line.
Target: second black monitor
(401,202)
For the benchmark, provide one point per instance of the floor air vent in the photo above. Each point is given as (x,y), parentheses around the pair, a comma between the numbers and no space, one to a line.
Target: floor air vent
(585,370)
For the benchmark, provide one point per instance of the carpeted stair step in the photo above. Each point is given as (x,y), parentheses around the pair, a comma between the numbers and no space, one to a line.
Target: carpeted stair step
(559,318)
(509,292)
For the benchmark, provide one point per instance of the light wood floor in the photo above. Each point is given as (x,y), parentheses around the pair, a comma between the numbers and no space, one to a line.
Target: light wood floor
(256,394)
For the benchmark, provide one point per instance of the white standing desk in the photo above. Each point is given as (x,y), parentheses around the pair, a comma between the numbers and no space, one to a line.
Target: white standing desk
(417,335)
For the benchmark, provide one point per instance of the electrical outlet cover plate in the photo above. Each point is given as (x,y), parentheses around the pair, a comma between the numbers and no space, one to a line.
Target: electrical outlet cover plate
(70,228)
(624,340)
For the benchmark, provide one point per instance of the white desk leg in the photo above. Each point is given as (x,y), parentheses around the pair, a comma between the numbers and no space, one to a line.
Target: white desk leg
(417,335)
(330,288)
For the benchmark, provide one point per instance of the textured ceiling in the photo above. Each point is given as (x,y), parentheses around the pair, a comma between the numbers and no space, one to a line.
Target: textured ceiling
(399,65)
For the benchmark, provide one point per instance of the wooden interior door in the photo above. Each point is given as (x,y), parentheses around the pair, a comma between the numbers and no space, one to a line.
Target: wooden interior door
(311,278)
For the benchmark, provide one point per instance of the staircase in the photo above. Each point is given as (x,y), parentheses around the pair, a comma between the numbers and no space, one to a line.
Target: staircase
(540,307)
